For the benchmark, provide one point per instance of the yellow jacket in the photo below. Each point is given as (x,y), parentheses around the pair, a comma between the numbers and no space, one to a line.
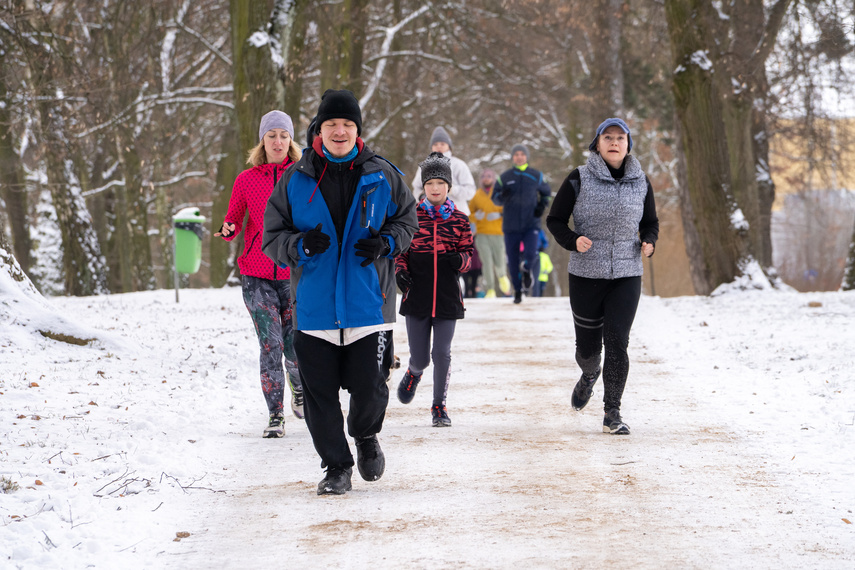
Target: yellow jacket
(485,214)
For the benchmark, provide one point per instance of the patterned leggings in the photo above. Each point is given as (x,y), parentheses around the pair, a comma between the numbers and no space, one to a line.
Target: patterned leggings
(269,305)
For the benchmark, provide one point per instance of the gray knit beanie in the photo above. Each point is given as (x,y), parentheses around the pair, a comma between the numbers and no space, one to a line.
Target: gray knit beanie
(436,166)
(440,135)
(521,147)
(275,120)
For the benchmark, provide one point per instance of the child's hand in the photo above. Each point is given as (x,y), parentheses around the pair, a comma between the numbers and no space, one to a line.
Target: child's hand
(404,281)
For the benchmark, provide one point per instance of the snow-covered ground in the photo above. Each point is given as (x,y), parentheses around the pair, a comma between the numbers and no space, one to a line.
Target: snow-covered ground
(145,451)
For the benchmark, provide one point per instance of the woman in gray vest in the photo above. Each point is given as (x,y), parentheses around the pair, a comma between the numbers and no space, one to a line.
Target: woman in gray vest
(614,215)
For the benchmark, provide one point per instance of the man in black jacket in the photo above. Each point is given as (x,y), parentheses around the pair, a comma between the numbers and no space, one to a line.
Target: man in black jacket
(524,195)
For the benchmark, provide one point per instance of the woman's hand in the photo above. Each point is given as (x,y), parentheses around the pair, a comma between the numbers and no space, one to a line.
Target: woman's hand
(583,244)
(226,230)
(647,249)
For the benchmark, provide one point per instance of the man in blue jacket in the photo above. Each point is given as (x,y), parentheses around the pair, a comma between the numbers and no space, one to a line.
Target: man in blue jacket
(337,218)
(524,195)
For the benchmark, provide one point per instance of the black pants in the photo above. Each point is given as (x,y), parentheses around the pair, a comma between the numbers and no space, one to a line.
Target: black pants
(361,369)
(603,311)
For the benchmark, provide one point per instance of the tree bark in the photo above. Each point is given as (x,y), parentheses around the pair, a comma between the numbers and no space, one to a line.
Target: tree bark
(699,112)
(254,72)
(228,168)
(14,192)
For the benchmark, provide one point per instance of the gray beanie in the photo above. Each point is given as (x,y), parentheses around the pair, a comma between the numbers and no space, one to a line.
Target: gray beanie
(436,166)
(275,120)
(440,135)
(521,147)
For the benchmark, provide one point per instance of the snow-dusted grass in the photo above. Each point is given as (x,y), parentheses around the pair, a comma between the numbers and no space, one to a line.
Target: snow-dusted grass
(741,455)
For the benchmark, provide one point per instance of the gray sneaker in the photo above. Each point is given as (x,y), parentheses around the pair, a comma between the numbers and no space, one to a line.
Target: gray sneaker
(613,424)
(583,390)
(276,426)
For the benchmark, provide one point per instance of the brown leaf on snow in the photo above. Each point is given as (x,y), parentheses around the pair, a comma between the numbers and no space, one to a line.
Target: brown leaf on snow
(38,482)
(180,535)
(93,403)
(34,384)
(814,304)
(21,416)
(847,521)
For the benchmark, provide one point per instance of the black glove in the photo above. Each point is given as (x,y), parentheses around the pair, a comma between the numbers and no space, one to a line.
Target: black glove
(538,210)
(404,280)
(372,248)
(315,241)
(455,260)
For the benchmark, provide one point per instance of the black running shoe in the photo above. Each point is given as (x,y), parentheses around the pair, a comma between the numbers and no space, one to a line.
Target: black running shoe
(517,297)
(440,416)
(275,426)
(407,387)
(613,424)
(583,390)
(526,280)
(369,458)
(336,482)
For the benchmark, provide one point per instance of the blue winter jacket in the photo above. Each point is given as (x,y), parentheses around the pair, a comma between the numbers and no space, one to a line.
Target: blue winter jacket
(331,290)
(524,195)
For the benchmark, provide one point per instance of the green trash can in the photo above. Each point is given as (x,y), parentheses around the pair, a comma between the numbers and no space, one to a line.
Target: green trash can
(188,240)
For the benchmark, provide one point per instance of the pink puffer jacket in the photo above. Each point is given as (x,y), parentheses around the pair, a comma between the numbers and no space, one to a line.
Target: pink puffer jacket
(251,191)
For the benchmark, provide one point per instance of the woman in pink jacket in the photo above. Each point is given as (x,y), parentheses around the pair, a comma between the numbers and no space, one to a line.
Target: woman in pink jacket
(266,287)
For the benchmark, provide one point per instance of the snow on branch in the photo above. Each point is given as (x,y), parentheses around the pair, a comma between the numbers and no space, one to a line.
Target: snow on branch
(556,129)
(423,55)
(379,128)
(205,42)
(385,49)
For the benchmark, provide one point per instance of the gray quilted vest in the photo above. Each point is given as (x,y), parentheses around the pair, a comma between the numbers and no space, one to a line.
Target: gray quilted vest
(608,212)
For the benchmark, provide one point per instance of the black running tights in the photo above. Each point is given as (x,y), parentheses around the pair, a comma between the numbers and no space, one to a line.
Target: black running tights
(603,311)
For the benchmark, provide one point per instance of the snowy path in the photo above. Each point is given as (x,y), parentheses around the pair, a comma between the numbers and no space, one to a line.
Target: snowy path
(734,461)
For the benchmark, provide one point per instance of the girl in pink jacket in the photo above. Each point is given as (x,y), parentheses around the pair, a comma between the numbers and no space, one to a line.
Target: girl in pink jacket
(266,287)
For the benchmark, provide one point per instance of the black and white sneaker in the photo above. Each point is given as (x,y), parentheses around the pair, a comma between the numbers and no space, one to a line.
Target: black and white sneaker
(276,426)
(407,387)
(583,390)
(296,400)
(440,417)
(613,424)
(336,481)
(369,458)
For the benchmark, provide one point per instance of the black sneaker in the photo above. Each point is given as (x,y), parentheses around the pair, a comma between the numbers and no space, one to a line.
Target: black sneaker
(517,297)
(407,387)
(526,280)
(276,426)
(440,416)
(583,390)
(336,482)
(613,424)
(369,458)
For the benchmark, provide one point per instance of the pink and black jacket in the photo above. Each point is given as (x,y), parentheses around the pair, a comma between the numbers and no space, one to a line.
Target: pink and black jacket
(441,250)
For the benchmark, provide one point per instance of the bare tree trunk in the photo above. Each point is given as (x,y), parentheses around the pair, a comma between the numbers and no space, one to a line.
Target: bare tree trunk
(699,112)
(292,79)
(849,273)
(12,177)
(228,168)
(254,72)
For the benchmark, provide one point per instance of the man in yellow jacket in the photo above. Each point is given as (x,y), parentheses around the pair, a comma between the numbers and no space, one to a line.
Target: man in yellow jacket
(489,239)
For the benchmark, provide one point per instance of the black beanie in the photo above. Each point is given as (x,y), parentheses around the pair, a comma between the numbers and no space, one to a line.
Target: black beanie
(341,104)
(436,166)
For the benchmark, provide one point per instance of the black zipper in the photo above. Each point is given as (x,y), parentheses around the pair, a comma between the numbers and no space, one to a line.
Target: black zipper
(275,266)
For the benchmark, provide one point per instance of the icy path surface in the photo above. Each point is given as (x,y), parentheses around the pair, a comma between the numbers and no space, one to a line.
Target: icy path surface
(741,452)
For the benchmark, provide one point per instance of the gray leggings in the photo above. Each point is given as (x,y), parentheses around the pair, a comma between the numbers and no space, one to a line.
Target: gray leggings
(418,334)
